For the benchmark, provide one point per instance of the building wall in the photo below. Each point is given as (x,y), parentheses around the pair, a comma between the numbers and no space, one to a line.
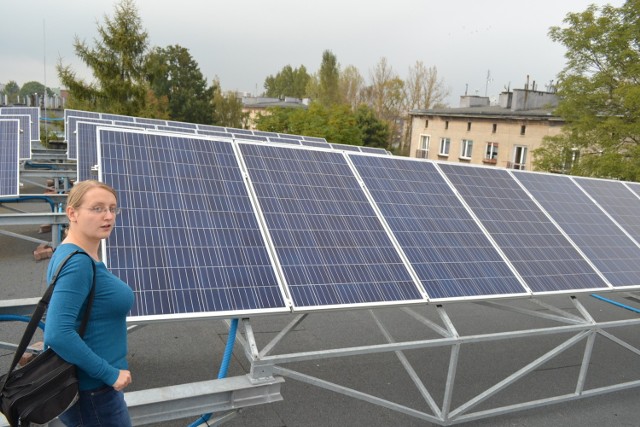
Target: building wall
(508,136)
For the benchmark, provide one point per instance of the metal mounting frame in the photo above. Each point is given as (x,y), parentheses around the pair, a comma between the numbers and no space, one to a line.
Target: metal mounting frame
(581,327)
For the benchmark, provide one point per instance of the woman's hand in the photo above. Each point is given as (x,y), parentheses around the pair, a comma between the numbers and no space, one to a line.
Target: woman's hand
(124,379)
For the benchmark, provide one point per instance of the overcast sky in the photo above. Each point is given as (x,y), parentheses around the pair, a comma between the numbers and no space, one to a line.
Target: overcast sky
(244,41)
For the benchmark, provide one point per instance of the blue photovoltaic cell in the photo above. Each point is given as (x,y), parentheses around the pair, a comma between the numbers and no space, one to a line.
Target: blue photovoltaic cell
(215,133)
(447,249)
(72,135)
(34,121)
(212,128)
(187,240)
(345,147)
(176,129)
(373,150)
(331,246)
(182,124)
(87,138)
(537,249)
(603,243)
(240,131)
(9,147)
(313,138)
(315,144)
(285,140)
(262,133)
(289,136)
(24,134)
(117,117)
(617,200)
(247,137)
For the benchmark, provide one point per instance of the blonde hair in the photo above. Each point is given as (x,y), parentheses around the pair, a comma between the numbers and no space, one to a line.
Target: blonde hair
(77,193)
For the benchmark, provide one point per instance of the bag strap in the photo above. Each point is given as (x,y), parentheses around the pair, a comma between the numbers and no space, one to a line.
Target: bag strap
(41,307)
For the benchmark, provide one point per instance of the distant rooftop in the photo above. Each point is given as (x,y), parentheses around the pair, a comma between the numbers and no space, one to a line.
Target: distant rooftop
(519,102)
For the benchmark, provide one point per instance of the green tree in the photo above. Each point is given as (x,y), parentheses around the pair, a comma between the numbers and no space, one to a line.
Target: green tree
(336,124)
(227,109)
(288,82)
(12,90)
(173,73)
(329,80)
(30,88)
(375,133)
(599,91)
(117,63)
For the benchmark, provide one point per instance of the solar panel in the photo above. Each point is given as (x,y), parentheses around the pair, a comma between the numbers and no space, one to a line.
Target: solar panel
(332,247)
(317,144)
(215,134)
(446,247)
(537,249)
(117,117)
(71,131)
(86,137)
(345,147)
(24,134)
(373,150)
(285,140)
(34,122)
(604,244)
(188,241)
(247,137)
(313,138)
(617,200)
(9,147)
(175,129)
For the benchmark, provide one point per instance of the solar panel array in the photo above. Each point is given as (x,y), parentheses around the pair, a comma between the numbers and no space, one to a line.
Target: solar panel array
(71,117)
(602,241)
(76,129)
(214,225)
(9,151)
(32,112)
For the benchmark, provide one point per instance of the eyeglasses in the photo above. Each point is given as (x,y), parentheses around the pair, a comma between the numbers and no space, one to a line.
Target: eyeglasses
(101,210)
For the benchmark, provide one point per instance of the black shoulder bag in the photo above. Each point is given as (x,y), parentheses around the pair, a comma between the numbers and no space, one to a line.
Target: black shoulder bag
(47,386)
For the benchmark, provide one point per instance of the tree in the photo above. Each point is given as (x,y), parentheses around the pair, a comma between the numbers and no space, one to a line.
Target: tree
(288,82)
(599,92)
(174,74)
(375,133)
(33,87)
(329,80)
(117,63)
(423,89)
(227,110)
(336,124)
(12,90)
(351,86)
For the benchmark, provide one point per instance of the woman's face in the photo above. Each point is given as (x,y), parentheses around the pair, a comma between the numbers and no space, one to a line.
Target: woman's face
(94,218)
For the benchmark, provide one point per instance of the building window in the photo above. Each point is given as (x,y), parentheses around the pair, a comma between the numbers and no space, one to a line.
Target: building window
(519,158)
(426,123)
(495,128)
(446,124)
(445,143)
(491,153)
(523,129)
(423,150)
(466,149)
(468,126)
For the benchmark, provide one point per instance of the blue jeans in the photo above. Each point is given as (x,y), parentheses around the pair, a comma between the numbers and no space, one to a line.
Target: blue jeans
(104,407)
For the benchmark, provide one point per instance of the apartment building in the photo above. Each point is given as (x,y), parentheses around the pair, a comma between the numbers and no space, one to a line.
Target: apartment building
(503,135)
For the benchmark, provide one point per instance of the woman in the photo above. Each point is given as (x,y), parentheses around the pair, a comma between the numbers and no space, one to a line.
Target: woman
(101,354)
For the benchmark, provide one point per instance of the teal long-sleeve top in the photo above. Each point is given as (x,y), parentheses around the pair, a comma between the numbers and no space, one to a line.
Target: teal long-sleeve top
(102,352)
